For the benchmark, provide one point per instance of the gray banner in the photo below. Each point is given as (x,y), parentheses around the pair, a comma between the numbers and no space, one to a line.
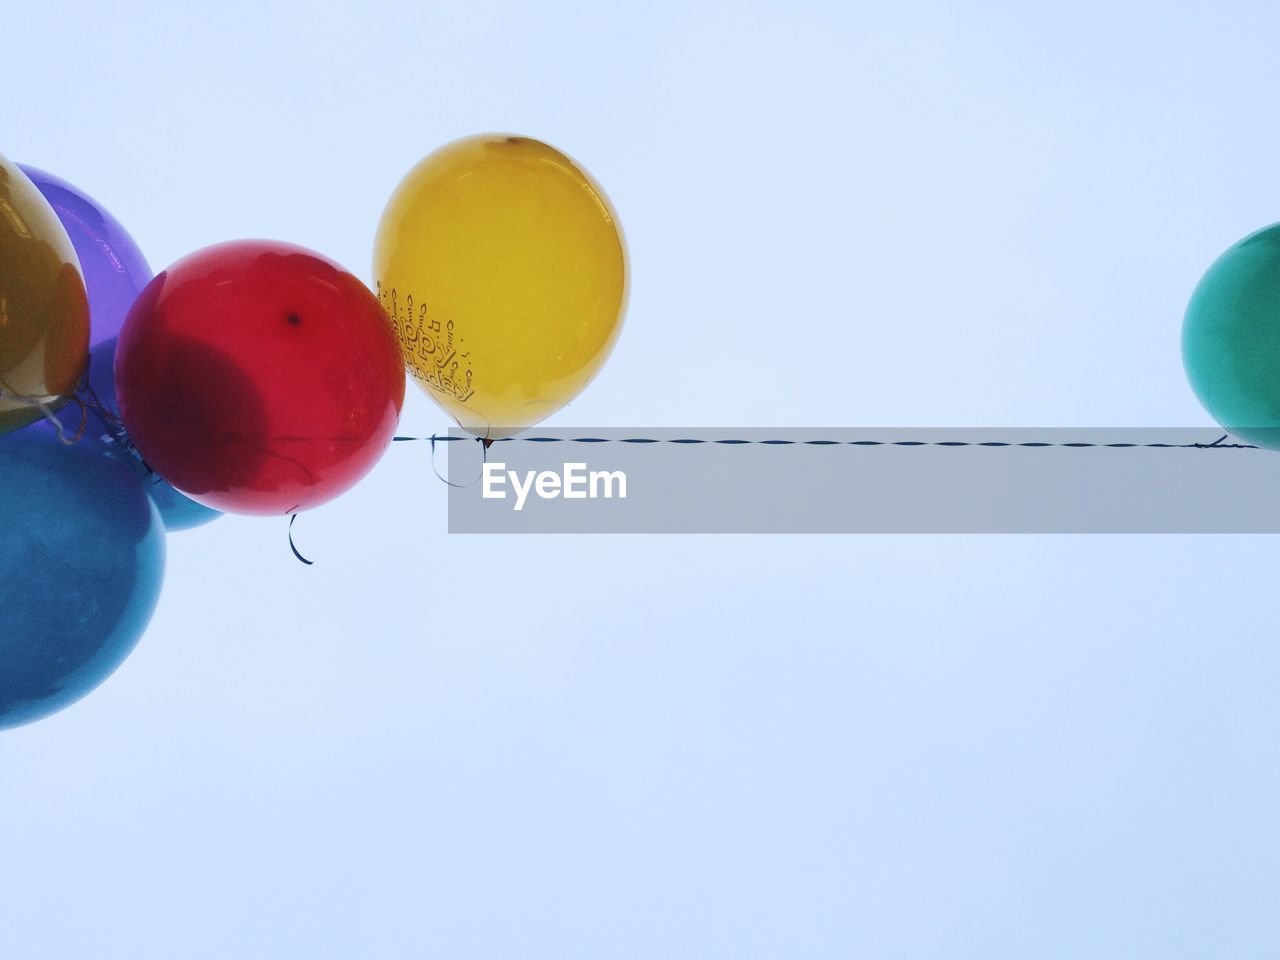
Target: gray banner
(862,481)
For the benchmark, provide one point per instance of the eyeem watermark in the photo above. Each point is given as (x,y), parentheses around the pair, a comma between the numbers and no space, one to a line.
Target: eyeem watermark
(573,482)
(863,480)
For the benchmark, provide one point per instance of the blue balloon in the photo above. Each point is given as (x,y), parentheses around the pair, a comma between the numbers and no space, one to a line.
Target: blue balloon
(81,563)
(177,512)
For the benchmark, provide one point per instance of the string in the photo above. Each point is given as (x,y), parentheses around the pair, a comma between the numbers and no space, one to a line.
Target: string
(484,456)
(486,443)
(1219,444)
(42,405)
(293,547)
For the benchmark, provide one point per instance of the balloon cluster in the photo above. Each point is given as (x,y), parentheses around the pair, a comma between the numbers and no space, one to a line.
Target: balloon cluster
(258,377)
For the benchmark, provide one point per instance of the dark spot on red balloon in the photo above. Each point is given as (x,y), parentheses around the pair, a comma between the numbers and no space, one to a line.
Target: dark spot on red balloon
(221,412)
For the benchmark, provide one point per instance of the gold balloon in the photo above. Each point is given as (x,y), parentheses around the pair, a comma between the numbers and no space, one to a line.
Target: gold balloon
(503,269)
(44,312)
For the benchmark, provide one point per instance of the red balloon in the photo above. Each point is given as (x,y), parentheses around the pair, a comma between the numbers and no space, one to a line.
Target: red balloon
(259,377)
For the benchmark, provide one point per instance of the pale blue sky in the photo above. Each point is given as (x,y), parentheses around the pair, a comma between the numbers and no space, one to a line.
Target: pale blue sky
(917,214)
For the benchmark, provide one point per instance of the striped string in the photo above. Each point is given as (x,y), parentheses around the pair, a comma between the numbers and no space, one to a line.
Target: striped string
(1219,444)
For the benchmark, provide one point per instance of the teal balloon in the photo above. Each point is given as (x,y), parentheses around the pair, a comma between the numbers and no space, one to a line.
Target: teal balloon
(1231,339)
(81,563)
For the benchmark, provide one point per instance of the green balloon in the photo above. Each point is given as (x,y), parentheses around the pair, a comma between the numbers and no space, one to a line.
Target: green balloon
(1231,339)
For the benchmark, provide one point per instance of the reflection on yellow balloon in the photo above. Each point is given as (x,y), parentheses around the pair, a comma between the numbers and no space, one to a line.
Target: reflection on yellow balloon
(502,266)
(44,312)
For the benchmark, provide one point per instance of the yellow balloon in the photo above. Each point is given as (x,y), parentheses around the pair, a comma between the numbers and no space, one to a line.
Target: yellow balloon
(44,312)
(501,264)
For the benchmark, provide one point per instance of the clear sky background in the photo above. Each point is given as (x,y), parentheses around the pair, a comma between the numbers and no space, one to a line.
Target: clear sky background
(910,214)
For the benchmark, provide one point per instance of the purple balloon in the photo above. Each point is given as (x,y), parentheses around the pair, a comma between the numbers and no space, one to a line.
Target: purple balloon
(115,271)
